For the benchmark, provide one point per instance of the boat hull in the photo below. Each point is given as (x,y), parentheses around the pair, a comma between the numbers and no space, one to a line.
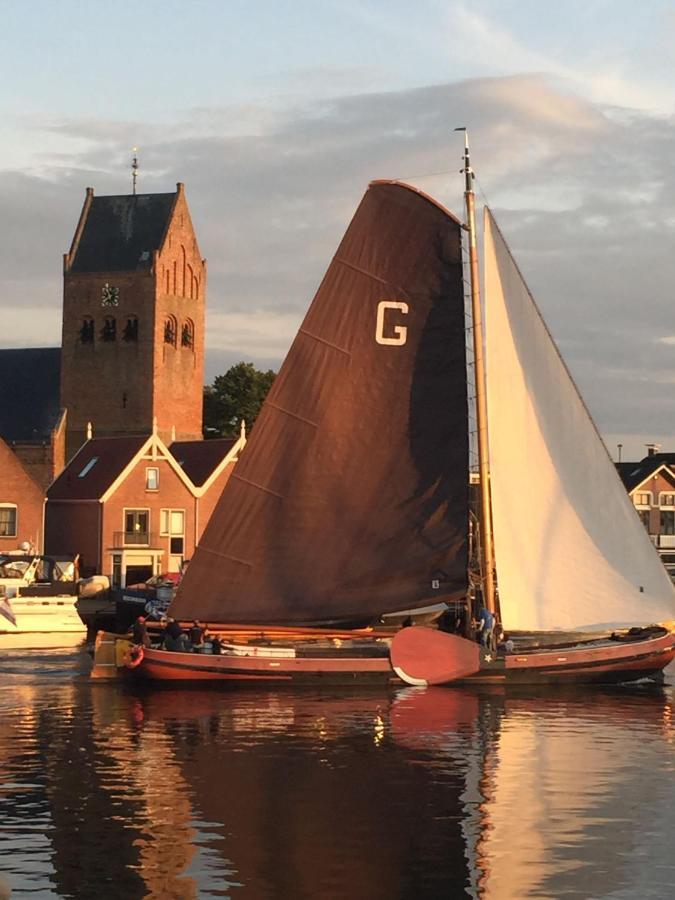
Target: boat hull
(112,659)
(41,617)
(426,656)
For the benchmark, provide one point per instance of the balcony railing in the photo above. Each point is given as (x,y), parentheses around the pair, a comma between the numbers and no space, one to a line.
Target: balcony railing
(134,539)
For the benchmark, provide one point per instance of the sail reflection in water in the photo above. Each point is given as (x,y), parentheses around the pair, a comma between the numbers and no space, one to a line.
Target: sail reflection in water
(304,794)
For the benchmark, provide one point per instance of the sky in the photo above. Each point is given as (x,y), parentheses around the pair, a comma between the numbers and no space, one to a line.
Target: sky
(276,115)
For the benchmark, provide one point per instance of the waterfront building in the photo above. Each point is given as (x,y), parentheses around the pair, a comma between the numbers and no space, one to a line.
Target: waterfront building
(133,507)
(651,485)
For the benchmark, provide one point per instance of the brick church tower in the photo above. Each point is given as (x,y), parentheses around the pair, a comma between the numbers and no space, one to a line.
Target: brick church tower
(133,319)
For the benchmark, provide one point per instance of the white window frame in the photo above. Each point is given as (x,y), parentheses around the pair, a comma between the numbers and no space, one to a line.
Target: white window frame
(148,470)
(166,512)
(647,505)
(135,509)
(16,519)
(662,504)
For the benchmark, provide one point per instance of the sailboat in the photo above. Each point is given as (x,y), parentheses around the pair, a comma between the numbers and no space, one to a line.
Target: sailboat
(351,500)
(568,569)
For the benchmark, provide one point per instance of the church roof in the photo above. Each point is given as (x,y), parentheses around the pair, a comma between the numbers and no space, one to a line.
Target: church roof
(29,394)
(198,459)
(120,233)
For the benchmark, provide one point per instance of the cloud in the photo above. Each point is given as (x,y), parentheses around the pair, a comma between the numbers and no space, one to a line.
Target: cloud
(585,195)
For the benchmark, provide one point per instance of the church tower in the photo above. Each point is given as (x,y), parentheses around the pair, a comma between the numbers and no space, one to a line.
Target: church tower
(133,319)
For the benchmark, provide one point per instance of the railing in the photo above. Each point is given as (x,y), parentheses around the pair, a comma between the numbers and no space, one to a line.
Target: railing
(134,539)
(665,541)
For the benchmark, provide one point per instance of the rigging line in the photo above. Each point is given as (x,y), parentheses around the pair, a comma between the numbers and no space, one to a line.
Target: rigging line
(427,175)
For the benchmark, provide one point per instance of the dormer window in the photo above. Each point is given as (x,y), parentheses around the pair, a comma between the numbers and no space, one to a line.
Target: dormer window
(89,466)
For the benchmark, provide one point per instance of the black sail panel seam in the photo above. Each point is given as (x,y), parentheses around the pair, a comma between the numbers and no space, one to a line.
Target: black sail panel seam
(321,340)
(293,415)
(259,486)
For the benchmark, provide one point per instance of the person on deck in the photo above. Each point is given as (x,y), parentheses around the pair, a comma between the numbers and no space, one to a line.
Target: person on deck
(197,636)
(486,624)
(174,639)
(139,632)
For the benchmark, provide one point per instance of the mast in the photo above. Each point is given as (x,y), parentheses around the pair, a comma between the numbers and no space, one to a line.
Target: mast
(486,537)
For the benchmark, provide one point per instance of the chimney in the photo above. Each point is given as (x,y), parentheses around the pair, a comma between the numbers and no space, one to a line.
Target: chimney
(652,449)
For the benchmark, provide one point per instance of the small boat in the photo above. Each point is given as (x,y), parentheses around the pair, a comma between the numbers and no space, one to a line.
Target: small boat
(351,505)
(38,595)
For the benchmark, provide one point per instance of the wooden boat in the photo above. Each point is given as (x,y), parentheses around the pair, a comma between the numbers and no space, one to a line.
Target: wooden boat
(351,501)
(256,655)
(563,548)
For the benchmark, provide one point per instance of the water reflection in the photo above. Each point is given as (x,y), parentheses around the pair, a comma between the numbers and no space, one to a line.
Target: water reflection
(331,794)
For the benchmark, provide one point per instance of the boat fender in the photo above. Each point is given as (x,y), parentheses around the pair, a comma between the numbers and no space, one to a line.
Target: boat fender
(133,656)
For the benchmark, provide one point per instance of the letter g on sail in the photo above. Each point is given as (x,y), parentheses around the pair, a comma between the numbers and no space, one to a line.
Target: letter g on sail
(400,332)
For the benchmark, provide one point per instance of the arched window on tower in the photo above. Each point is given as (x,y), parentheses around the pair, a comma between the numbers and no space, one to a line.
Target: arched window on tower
(87,331)
(170,330)
(130,332)
(109,330)
(184,270)
(187,335)
(190,283)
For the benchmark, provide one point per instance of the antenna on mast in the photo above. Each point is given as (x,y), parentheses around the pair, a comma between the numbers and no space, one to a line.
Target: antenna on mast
(134,170)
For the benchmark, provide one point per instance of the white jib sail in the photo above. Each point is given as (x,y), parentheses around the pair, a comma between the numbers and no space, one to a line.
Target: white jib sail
(570,550)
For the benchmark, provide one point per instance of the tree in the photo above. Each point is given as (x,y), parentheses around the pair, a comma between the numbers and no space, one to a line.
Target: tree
(236,395)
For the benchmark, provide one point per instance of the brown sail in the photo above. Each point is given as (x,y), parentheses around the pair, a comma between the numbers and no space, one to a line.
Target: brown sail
(350,499)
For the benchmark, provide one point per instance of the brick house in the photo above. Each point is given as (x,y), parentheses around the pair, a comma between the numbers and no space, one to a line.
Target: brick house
(21,504)
(133,506)
(651,485)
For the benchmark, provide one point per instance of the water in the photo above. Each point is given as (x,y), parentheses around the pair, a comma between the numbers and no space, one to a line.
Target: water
(293,794)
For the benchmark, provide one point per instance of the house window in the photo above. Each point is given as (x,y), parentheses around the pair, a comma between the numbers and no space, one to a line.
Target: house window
(7,520)
(109,330)
(645,516)
(152,479)
(136,522)
(172,524)
(643,498)
(667,521)
(666,499)
(87,331)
